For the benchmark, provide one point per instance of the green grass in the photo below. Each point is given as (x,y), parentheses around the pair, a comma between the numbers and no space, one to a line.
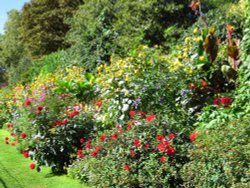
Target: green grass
(15,171)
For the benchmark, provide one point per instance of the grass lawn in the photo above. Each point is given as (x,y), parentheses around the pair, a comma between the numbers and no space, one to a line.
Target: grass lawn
(15,171)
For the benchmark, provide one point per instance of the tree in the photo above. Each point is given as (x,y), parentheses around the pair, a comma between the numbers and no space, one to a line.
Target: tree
(12,48)
(43,25)
(101,27)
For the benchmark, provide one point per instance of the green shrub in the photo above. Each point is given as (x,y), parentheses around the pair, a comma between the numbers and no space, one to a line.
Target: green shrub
(143,152)
(221,157)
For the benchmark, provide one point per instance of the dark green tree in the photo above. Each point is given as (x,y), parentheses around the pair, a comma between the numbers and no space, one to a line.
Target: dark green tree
(12,48)
(101,27)
(43,25)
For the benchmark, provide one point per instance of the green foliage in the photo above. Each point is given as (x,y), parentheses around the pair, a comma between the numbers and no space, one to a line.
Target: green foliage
(83,90)
(221,157)
(12,48)
(143,144)
(100,28)
(22,73)
(53,131)
(43,25)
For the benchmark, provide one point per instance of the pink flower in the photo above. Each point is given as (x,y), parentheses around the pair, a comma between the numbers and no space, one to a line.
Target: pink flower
(150,118)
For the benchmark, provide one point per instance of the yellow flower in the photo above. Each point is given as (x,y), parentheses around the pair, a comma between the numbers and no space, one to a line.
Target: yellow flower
(195,30)
(198,39)
(187,39)
(201,58)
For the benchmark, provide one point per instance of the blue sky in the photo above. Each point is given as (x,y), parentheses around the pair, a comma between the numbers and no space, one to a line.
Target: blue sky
(7,5)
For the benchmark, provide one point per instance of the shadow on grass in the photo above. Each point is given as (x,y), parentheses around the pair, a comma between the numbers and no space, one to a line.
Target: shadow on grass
(50,175)
(3,183)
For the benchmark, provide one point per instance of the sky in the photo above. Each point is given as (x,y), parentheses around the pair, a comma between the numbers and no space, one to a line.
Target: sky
(7,5)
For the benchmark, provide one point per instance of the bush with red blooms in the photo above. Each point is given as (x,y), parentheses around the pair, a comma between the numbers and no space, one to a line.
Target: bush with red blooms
(143,152)
(220,158)
(223,101)
(53,136)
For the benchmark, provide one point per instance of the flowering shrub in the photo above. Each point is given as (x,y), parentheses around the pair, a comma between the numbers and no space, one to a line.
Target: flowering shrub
(221,157)
(142,152)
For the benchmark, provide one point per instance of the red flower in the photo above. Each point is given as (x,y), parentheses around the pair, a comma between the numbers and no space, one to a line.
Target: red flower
(150,118)
(132,153)
(28,102)
(32,166)
(80,153)
(161,147)
(97,149)
(98,103)
(193,136)
(226,101)
(132,113)
(159,137)
(126,167)
(39,108)
(147,146)
(166,143)
(6,138)
(65,121)
(102,138)
(114,136)
(129,126)
(74,113)
(142,113)
(163,159)
(23,135)
(88,145)
(6,142)
(94,154)
(81,140)
(171,136)
(170,151)
(9,125)
(25,154)
(216,101)
(137,143)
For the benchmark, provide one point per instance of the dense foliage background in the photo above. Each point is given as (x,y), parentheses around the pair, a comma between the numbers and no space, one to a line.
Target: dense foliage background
(131,93)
